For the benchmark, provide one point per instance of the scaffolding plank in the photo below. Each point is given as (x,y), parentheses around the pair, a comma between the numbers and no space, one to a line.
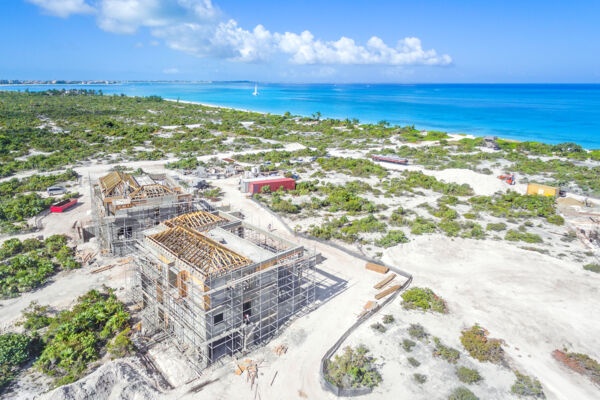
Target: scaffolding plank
(377,268)
(384,282)
(387,292)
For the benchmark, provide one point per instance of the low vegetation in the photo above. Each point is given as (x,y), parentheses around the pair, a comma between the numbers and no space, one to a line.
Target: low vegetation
(28,264)
(462,393)
(444,352)
(413,361)
(15,350)
(593,267)
(423,299)
(408,345)
(480,347)
(468,375)
(353,368)
(417,331)
(527,386)
(76,337)
(580,363)
(420,378)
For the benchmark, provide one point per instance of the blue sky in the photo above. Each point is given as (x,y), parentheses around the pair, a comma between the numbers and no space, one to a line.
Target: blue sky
(302,40)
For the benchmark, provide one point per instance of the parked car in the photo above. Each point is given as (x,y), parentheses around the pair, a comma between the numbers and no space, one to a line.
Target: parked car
(56,190)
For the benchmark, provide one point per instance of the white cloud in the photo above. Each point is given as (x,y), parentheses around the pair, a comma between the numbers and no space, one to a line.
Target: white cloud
(170,71)
(64,8)
(305,49)
(154,43)
(197,27)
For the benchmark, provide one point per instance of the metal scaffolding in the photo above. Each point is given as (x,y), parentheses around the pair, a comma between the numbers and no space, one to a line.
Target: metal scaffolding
(213,300)
(123,206)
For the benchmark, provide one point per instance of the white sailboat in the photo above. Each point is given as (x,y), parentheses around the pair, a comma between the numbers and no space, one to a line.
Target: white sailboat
(255,93)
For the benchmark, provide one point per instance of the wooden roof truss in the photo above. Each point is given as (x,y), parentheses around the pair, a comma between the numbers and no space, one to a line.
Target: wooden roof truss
(117,184)
(198,251)
(198,221)
(150,192)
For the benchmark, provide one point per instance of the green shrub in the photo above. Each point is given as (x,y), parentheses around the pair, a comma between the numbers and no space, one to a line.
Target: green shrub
(379,327)
(500,226)
(462,393)
(413,361)
(467,375)
(480,347)
(408,345)
(15,350)
(421,226)
(423,299)
(556,219)
(76,337)
(392,238)
(527,386)
(445,352)
(24,272)
(121,345)
(420,378)
(515,236)
(353,368)
(36,317)
(388,319)
(592,267)
(417,331)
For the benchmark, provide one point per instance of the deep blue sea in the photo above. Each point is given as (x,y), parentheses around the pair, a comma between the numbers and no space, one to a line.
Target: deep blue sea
(550,113)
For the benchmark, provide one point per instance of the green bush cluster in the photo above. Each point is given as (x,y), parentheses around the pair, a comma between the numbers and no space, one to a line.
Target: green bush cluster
(413,362)
(391,239)
(515,236)
(408,345)
(29,263)
(593,267)
(480,347)
(468,375)
(423,299)
(420,378)
(445,352)
(527,386)
(353,368)
(352,166)
(15,350)
(417,331)
(462,393)
(77,336)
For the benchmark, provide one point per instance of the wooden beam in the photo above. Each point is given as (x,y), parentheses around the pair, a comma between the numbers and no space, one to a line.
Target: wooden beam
(387,292)
(384,282)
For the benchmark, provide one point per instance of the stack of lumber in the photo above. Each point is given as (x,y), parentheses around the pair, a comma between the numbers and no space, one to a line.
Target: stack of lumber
(377,268)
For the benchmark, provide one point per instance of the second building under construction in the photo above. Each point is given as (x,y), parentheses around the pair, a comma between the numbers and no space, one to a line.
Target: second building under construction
(219,285)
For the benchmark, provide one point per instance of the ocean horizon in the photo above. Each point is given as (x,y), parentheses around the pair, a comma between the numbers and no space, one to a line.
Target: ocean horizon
(550,113)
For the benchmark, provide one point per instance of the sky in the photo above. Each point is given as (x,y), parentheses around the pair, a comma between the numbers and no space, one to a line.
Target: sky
(397,41)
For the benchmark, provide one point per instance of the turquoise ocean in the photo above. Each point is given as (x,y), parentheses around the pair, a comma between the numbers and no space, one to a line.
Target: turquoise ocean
(550,113)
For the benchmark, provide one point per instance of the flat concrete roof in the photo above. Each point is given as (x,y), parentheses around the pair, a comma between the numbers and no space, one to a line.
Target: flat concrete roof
(239,245)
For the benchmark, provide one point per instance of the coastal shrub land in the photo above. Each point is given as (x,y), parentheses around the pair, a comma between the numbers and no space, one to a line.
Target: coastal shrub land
(447,192)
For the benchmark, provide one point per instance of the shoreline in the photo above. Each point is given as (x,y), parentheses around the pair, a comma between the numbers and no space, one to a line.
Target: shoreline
(453,136)
(472,132)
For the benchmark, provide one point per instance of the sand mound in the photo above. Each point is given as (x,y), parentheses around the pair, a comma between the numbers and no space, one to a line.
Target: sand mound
(114,380)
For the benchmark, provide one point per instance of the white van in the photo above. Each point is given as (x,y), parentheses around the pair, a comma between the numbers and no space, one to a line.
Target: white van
(56,190)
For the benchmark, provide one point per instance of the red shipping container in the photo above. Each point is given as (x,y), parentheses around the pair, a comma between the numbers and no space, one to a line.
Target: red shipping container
(273,184)
(62,205)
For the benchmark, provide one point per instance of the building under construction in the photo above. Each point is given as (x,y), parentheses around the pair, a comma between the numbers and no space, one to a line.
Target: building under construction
(218,285)
(125,205)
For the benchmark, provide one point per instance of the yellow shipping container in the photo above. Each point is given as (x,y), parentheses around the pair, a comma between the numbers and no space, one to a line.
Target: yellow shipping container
(542,190)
